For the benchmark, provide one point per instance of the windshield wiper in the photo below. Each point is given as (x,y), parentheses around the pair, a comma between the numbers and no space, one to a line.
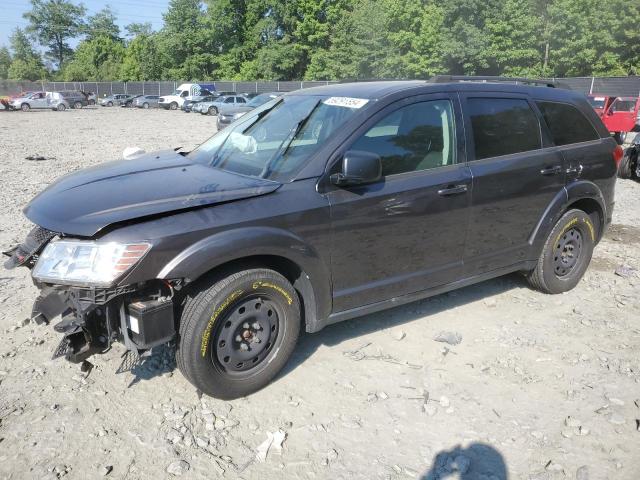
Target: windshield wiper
(286,143)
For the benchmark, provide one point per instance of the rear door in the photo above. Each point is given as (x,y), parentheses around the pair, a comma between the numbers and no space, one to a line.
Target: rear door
(515,177)
(406,232)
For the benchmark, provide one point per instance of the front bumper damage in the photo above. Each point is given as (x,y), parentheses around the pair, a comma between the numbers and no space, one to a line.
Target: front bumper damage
(139,315)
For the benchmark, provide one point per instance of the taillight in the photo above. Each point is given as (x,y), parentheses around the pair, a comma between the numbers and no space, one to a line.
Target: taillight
(618,153)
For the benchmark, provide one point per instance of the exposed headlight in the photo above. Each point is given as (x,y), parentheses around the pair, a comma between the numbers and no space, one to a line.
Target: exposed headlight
(87,262)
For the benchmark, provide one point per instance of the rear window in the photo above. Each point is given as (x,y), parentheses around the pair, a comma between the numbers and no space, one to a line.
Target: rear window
(567,124)
(502,126)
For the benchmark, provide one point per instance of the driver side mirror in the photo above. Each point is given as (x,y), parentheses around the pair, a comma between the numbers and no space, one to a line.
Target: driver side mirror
(358,168)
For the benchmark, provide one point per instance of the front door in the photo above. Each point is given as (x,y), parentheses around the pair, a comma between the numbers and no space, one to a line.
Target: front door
(405,233)
(515,178)
(621,116)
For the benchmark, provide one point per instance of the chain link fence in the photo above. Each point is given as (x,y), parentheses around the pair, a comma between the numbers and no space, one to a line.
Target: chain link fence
(615,86)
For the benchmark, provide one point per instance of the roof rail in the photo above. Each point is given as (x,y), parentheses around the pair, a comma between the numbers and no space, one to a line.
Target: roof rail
(489,79)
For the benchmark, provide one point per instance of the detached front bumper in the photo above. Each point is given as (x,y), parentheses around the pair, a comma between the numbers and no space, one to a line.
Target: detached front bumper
(139,315)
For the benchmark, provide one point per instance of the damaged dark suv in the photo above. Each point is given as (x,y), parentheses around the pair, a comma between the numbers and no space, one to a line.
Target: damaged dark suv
(322,205)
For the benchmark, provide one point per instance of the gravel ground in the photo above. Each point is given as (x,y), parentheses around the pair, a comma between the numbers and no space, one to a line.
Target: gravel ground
(540,387)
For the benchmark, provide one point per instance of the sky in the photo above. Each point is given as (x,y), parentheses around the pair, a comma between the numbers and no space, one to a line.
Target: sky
(127,11)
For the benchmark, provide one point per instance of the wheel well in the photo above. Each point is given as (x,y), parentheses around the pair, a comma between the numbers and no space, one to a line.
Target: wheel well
(593,209)
(285,267)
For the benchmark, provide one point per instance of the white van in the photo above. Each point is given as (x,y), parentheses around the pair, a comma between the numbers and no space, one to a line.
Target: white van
(186,91)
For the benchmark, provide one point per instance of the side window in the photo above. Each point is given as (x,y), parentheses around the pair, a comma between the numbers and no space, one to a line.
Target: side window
(229,100)
(502,126)
(185,93)
(623,105)
(241,100)
(416,137)
(566,123)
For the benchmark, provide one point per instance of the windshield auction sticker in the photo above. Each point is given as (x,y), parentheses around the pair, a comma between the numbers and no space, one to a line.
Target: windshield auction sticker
(348,102)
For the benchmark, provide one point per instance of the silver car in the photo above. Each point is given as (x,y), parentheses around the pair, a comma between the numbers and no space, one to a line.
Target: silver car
(146,101)
(40,100)
(220,104)
(115,99)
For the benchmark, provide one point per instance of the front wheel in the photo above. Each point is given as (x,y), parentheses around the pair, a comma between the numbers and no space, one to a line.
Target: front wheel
(145,105)
(627,167)
(237,333)
(25,107)
(61,108)
(213,111)
(109,104)
(77,105)
(173,106)
(566,253)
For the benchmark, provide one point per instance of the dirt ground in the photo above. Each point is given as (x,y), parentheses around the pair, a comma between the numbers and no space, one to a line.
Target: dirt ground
(541,387)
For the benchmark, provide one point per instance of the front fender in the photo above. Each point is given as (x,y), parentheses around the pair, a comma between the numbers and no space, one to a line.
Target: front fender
(220,248)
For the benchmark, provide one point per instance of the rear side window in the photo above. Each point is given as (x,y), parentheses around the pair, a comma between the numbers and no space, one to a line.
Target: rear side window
(502,126)
(567,124)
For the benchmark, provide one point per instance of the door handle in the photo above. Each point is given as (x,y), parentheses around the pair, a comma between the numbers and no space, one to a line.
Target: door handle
(452,190)
(551,170)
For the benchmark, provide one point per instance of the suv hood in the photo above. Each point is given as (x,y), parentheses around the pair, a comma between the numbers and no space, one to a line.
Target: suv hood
(84,202)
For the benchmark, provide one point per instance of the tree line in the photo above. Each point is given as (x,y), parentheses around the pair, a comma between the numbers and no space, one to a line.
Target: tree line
(329,39)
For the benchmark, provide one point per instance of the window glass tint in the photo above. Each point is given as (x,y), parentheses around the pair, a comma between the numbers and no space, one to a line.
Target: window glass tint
(416,137)
(502,126)
(623,105)
(566,123)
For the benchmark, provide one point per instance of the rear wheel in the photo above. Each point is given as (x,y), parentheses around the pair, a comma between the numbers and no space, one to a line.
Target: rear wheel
(238,332)
(627,167)
(109,104)
(213,111)
(566,253)
(77,105)
(25,107)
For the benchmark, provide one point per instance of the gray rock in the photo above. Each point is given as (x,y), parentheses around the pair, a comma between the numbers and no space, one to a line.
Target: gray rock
(617,419)
(582,473)
(452,338)
(179,467)
(398,335)
(106,470)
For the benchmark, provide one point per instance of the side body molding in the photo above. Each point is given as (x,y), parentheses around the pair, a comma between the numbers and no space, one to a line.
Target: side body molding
(314,283)
(571,193)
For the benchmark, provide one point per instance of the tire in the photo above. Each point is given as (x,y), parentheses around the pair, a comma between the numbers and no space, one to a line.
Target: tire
(212,111)
(109,104)
(25,107)
(61,108)
(173,106)
(627,166)
(145,105)
(92,102)
(260,308)
(77,105)
(566,253)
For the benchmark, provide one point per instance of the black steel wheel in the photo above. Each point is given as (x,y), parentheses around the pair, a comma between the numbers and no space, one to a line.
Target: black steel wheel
(566,253)
(237,332)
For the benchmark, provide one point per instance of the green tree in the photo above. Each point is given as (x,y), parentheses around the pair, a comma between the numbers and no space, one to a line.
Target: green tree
(26,63)
(5,62)
(96,60)
(102,24)
(54,23)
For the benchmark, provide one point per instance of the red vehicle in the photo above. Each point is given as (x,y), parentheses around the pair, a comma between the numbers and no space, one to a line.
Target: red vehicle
(600,103)
(622,116)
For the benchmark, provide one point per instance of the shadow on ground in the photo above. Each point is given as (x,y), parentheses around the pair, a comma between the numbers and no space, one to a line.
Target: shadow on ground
(478,461)
(394,317)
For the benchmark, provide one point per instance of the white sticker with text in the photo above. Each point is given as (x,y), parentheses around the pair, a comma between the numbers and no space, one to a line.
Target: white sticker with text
(348,102)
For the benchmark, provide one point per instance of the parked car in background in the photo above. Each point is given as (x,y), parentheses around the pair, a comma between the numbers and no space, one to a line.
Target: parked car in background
(75,98)
(146,101)
(115,99)
(230,115)
(623,116)
(186,91)
(250,95)
(187,106)
(91,97)
(129,101)
(220,104)
(600,103)
(40,100)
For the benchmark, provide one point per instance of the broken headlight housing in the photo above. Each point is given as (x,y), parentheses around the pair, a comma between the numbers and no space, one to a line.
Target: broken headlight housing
(78,262)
